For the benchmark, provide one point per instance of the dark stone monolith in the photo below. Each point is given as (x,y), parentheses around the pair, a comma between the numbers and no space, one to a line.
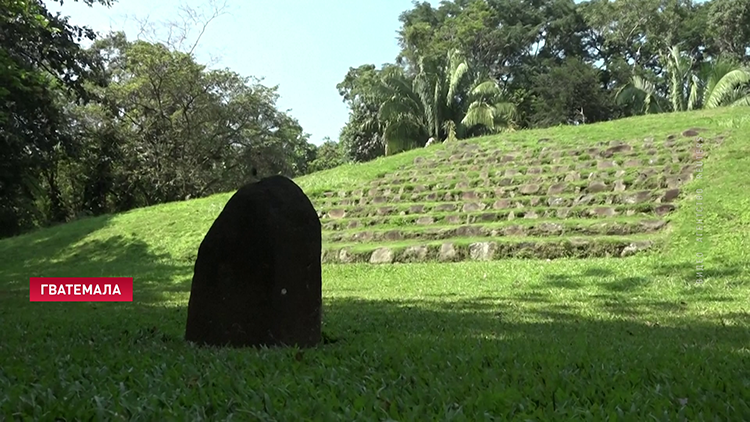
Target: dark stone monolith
(257,276)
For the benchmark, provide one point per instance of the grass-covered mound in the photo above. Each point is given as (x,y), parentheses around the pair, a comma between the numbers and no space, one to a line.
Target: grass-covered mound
(551,194)
(653,336)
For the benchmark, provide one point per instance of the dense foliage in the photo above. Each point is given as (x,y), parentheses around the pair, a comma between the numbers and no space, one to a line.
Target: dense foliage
(546,62)
(124,123)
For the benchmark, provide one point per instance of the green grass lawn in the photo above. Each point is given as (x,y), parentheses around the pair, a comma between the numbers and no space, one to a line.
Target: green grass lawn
(598,339)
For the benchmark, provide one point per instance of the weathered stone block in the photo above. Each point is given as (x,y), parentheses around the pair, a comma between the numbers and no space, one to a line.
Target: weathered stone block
(257,276)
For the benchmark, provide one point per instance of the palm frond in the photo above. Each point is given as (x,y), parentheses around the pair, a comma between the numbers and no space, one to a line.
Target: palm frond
(456,76)
(713,72)
(639,94)
(505,110)
(479,113)
(435,115)
(725,87)
(423,88)
(487,89)
(695,91)
(393,107)
(741,102)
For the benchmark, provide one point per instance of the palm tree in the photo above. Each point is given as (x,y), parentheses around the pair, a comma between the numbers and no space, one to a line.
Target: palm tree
(488,108)
(478,104)
(726,85)
(416,108)
(402,115)
(641,96)
(720,83)
(684,93)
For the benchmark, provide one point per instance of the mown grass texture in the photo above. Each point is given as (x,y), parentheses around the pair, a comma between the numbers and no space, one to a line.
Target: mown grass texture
(635,338)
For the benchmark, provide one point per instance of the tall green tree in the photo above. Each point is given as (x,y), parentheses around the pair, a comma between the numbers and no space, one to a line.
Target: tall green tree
(328,155)
(40,59)
(509,40)
(728,29)
(360,137)
(189,131)
(570,93)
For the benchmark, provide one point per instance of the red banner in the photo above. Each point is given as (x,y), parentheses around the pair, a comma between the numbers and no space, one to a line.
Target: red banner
(81,289)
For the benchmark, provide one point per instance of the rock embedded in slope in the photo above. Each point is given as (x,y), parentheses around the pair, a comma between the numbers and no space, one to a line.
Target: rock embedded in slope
(637,197)
(393,235)
(345,256)
(652,225)
(529,189)
(664,209)
(469,195)
(584,200)
(473,206)
(596,187)
(533,170)
(482,251)
(453,219)
(557,188)
(417,253)
(426,220)
(385,210)
(337,213)
(416,209)
(382,256)
(691,133)
(635,247)
(632,163)
(603,212)
(670,195)
(448,253)
(501,203)
(554,201)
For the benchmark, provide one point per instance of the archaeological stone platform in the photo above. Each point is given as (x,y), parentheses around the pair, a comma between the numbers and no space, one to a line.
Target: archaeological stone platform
(486,201)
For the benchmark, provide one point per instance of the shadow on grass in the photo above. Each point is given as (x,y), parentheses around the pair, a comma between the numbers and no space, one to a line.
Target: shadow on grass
(551,329)
(117,256)
(512,349)
(45,243)
(685,271)
(457,350)
(688,271)
(478,317)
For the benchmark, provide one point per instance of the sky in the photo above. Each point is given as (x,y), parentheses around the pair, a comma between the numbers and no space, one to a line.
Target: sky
(305,47)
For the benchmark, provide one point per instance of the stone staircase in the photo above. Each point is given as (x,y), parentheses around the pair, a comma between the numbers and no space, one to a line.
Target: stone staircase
(485,201)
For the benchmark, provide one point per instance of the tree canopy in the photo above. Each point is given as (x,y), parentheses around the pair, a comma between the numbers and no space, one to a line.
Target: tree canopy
(124,124)
(127,123)
(550,62)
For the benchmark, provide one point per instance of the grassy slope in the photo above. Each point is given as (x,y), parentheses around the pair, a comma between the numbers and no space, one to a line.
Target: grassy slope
(566,339)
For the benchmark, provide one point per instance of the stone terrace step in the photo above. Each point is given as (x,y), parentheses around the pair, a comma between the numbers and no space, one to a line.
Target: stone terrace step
(458,156)
(666,175)
(552,194)
(659,162)
(489,201)
(518,228)
(487,216)
(482,249)
(435,167)
(504,188)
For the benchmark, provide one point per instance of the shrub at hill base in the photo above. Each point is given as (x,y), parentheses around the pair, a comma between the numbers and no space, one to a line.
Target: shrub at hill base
(257,276)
